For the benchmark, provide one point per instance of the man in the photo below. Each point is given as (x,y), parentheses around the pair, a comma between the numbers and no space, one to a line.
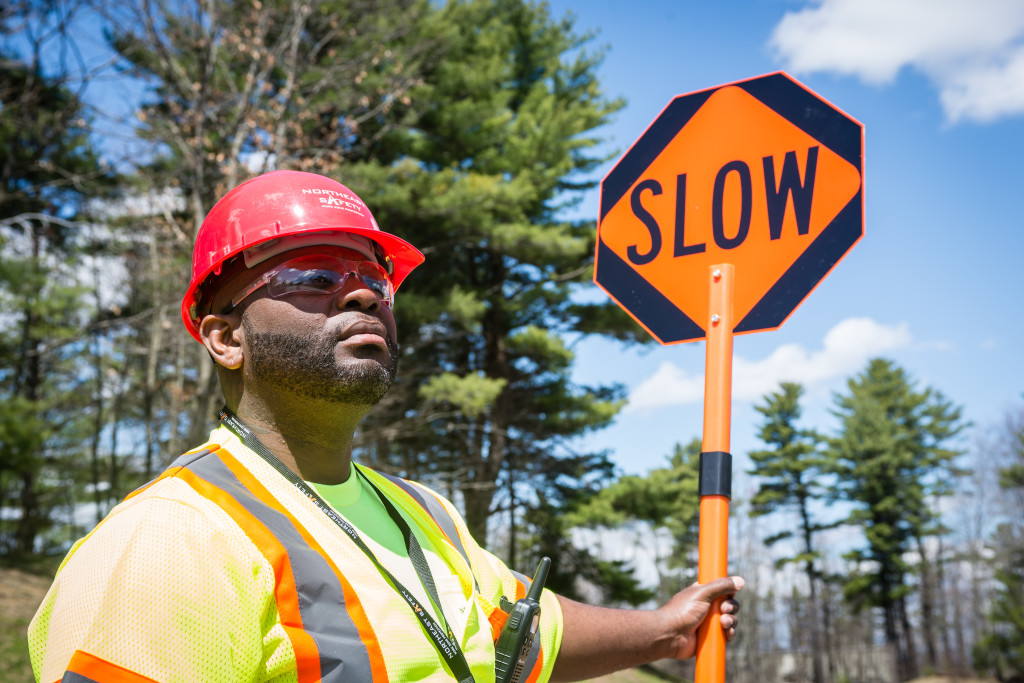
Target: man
(265,554)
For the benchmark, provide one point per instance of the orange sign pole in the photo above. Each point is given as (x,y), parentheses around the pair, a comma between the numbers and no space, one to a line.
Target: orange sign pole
(715,468)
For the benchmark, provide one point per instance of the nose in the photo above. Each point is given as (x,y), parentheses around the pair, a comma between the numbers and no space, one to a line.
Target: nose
(355,294)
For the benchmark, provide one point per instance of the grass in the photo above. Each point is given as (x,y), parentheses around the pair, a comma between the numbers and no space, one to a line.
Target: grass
(14,660)
(20,595)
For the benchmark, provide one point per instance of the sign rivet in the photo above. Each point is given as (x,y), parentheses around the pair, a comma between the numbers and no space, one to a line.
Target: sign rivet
(715,319)
(716,273)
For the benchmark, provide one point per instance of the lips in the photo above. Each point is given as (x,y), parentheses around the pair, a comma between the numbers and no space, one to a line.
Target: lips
(365,332)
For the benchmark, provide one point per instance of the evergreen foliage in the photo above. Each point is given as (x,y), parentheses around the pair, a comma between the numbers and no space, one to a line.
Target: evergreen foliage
(892,460)
(48,173)
(233,90)
(1001,652)
(484,406)
(791,471)
(790,474)
(664,500)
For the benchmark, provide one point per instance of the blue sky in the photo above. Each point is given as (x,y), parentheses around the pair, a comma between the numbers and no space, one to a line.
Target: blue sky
(937,280)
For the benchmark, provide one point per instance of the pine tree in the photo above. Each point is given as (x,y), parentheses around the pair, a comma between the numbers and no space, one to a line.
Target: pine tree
(1001,652)
(663,500)
(791,473)
(891,460)
(484,406)
(48,172)
(235,89)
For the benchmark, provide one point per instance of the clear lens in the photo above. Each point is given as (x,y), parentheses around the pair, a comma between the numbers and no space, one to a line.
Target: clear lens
(328,278)
(323,275)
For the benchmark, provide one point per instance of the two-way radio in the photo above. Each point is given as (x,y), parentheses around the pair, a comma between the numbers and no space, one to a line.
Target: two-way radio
(517,634)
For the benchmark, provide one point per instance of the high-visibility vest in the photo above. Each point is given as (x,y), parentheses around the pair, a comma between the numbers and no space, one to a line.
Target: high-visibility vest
(222,570)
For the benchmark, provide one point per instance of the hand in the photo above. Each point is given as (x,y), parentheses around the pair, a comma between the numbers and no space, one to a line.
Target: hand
(689,607)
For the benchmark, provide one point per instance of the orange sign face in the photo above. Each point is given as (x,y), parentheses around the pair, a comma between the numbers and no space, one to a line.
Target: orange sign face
(761,174)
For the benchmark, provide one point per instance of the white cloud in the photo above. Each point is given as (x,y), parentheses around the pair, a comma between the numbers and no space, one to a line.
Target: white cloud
(845,349)
(669,385)
(973,52)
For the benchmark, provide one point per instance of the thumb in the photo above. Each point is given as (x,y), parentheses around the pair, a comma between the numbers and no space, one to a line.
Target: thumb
(719,588)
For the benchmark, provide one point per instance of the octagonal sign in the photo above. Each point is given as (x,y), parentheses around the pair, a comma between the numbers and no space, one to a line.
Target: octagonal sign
(762,174)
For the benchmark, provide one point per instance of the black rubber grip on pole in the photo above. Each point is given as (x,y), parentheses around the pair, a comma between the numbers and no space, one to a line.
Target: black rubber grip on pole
(715,474)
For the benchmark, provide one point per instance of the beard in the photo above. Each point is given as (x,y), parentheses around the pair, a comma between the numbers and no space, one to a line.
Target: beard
(306,366)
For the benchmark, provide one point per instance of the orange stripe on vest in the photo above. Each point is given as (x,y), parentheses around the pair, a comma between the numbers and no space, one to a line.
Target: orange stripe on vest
(352,602)
(307,655)
(100,670)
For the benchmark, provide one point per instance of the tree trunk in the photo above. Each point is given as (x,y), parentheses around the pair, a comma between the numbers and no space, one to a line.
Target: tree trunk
(958,656)
(512,535)
(117,407)
(156,338)
(177,445)
(827,627)
(928,609)
(480,488)
(30,522)
(97,430)
(892,639)
(818,670)
(477,497)
(29,385)
(911,669)
(948,663)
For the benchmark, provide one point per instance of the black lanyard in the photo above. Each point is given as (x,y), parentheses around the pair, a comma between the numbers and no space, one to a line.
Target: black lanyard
(444,640)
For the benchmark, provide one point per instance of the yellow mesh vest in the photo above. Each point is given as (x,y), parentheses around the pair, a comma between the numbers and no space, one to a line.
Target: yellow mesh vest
(221,570)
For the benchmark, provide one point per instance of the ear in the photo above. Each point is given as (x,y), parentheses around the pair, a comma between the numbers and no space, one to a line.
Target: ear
(222,335)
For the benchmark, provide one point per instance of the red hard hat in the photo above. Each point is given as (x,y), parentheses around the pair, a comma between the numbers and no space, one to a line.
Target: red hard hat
(279,211)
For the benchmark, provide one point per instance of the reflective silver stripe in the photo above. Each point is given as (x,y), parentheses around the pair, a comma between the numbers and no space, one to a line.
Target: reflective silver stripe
(437,512)
(188,458)
(343,656)
(523,579)
(72,677)
(180,461)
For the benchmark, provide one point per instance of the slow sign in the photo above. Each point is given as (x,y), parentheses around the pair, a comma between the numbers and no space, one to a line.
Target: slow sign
(762,174)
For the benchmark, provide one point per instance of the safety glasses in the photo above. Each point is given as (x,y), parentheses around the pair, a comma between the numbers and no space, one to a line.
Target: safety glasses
(319,274)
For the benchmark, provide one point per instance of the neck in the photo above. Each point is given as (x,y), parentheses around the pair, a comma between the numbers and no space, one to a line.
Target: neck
(314,442)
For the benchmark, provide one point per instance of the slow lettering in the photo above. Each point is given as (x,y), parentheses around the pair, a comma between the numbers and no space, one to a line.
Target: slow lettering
(718,199)
(733,186)
(681,248)
(790,186)
(648,220)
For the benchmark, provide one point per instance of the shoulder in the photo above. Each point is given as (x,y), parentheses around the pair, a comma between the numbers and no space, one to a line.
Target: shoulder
(167,530)
(163,529)
(144,579)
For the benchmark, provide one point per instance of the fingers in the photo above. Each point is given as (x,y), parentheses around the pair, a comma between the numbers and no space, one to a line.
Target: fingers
(729,622)
(730,632)
(729,619)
